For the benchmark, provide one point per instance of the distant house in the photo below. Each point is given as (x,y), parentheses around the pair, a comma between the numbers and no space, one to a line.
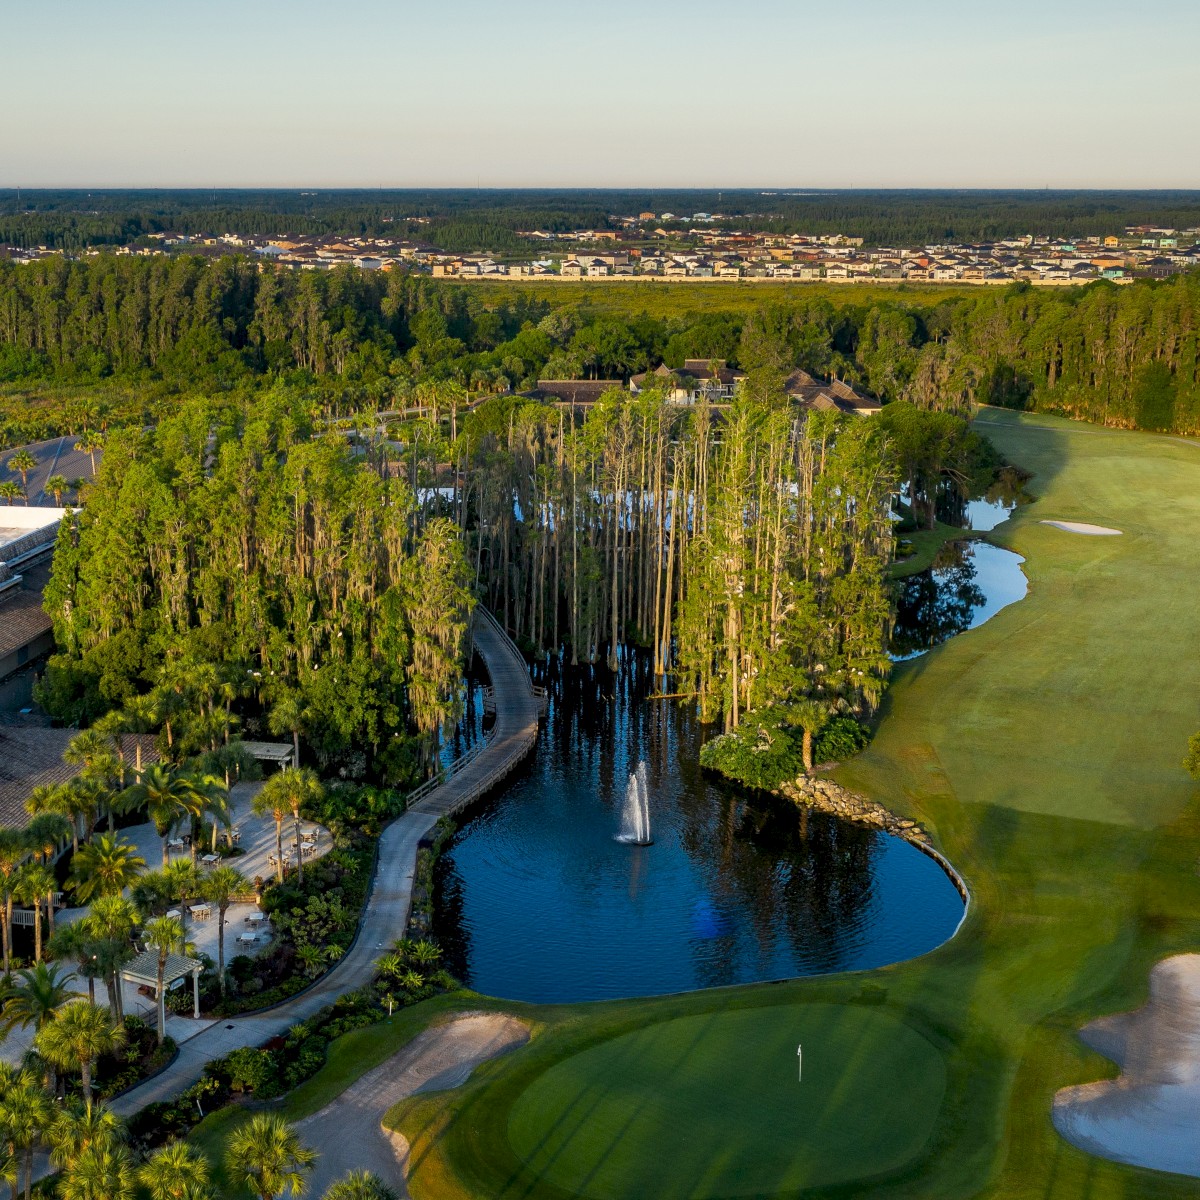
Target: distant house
(572,392)
(816,395)
(698,378)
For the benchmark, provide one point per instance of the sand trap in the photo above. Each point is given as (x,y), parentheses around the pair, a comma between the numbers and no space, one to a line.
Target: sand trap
(1150,1115)
(348,1133)
(1084,528)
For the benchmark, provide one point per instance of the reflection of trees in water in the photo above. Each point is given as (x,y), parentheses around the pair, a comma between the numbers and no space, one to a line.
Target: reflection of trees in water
(797,895)
(773,896)
(936,604)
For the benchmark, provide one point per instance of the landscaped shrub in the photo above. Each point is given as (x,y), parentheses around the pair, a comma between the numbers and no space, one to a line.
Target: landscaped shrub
(251,1070)
(356,807)
(840,739)
(140,1057)
(755,755)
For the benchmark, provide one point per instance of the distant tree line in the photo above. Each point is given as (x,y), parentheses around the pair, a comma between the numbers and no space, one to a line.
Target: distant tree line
(148,330)
(483,219)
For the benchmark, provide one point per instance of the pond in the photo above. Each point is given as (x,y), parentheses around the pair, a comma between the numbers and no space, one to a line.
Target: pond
(969,582)
(537,900)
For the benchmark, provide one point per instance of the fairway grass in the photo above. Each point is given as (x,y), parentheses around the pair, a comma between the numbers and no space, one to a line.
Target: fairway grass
(1042,752)
(657,1112)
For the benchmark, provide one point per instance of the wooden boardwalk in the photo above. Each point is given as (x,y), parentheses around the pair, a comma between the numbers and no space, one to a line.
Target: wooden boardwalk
(385,915)
(517,704)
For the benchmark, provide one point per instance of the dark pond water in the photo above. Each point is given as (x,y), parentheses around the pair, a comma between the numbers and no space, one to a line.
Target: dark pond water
(968,583)
(537,900)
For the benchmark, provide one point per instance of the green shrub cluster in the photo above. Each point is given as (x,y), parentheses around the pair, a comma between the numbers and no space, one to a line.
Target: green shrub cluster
(840,739)
(764,752)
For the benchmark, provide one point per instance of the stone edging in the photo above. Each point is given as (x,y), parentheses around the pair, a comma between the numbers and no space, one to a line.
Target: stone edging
(824,795)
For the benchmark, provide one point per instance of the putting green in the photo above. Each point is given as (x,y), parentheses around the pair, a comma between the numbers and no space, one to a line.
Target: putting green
(661,1112)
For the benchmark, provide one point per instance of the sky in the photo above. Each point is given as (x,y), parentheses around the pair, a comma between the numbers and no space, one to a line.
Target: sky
(631,93)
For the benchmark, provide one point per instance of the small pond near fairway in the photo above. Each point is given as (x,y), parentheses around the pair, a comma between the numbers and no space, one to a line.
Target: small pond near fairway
(969,582)
(537,901)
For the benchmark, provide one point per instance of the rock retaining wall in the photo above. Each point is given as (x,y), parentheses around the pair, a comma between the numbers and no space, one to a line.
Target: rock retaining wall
(824,795)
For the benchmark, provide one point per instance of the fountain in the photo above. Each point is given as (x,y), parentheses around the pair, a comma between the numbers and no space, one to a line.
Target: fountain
(635,816)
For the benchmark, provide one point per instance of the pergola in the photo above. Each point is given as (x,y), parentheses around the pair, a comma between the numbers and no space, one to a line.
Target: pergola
(279,753)
(143,972)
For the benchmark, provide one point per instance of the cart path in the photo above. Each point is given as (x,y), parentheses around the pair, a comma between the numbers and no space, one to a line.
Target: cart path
(348,1133)
(385,915)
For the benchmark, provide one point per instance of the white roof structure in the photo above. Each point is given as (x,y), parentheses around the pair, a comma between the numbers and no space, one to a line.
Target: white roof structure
(272,752)
(143,970)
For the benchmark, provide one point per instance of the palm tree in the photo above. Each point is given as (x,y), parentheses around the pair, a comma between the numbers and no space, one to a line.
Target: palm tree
(10,490)
(88,444)
(34,996)
(286,791)
(215,805)
(99,1173)
(163,935)
(287,716)
(74,940)
(812,717)
(77,1130)
(10,1170)
(105,868)
(168,795)
(111,922)
(140,715)
(360,1185)
(176,1171)
(185,884)
(266,1155)
(57,485)
(23,462)
(77,1037)
(34,883)
(13,852)
(26,1112)
(220,887)
(52,799)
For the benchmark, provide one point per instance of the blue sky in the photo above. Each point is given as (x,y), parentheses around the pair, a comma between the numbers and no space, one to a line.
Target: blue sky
(859,93)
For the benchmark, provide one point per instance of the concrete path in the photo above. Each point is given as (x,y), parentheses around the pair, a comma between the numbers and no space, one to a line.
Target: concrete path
(385,916)
(1150,1115)
(348,1133)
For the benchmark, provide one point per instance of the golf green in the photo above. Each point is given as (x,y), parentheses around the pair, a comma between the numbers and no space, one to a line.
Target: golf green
(661,1112)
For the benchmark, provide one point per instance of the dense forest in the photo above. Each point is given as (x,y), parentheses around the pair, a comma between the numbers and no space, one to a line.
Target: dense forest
(227,553)
(747,551)
(138,333)
(488,219)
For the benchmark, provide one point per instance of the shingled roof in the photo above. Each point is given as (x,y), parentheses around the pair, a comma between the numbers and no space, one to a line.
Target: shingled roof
(31,754)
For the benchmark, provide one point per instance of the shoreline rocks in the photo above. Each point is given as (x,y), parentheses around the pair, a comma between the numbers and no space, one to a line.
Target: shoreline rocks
(826,796)
(823,795)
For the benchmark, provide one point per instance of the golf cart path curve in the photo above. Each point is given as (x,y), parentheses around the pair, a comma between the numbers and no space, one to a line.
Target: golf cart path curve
(348,1133)
(1149,1116)
(385,915)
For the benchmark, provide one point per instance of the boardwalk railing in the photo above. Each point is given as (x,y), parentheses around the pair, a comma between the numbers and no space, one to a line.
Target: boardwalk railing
(480,611)
(447,773)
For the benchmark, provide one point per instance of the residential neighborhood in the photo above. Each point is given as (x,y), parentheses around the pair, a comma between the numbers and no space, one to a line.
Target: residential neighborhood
(706,247)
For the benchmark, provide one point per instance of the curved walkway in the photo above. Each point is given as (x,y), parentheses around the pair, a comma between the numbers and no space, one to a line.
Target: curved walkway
(385,915)
(348,1133)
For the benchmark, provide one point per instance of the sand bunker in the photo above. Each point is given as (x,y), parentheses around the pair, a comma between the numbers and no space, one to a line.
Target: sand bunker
(1150,1115)
(348,1133)
(1084,528)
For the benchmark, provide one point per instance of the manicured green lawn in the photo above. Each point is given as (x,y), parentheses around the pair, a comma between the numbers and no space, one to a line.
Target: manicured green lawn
(657,1112)
(1042,751)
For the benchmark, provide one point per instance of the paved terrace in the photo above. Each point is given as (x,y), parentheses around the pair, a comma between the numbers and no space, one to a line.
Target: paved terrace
(385,916)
